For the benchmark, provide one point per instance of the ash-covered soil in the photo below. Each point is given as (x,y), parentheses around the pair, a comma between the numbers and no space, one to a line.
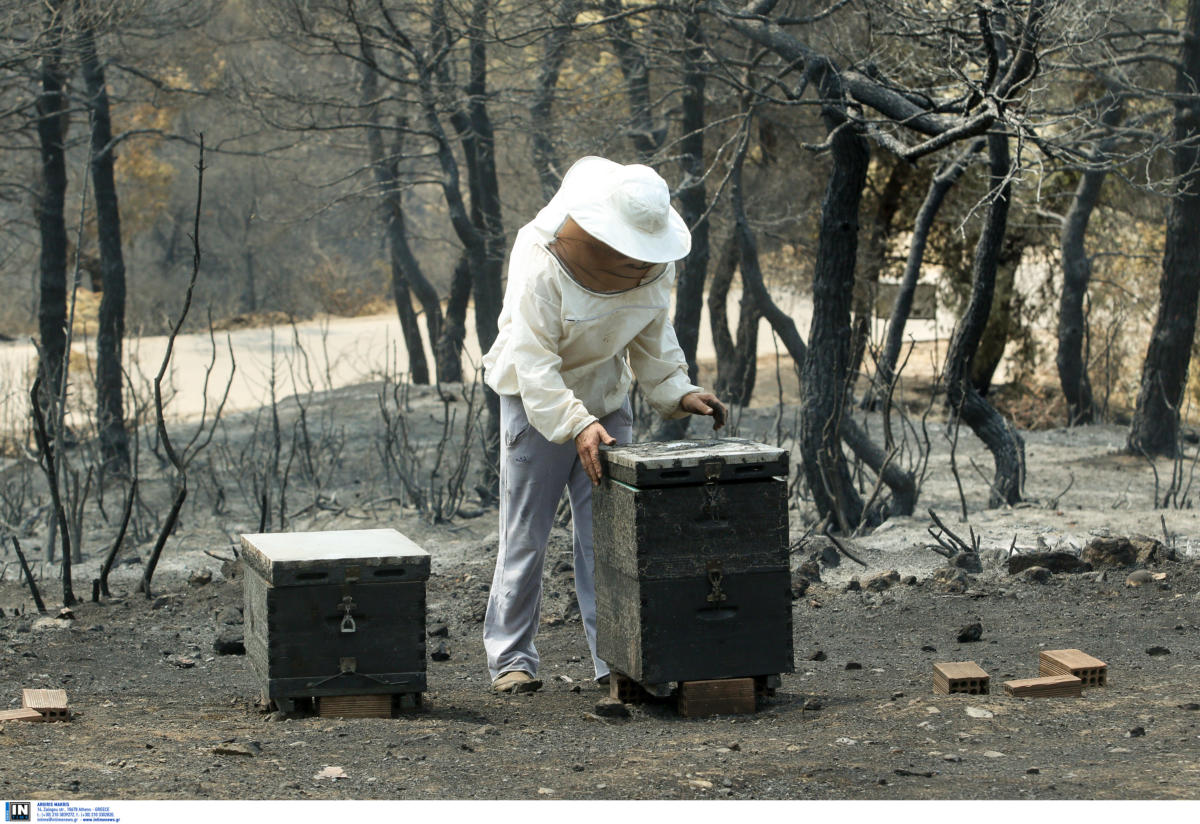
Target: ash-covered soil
(158,713)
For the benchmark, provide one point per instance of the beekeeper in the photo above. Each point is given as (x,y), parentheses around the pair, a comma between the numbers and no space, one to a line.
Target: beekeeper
(585,312)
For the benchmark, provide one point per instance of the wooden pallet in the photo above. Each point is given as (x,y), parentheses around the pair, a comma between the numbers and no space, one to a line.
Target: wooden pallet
(960,677)
(1091,671)
(724,696)
(51,704)
(1047,687)
(23,714)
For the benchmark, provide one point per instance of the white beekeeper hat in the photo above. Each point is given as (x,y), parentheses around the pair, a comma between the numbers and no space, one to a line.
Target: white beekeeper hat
(626,207)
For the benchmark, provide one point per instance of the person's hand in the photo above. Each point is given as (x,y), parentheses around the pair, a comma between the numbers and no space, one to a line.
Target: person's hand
(704,403)
(587,444)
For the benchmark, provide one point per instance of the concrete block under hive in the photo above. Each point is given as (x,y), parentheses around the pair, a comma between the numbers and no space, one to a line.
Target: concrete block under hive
(355,706)
(960,676)
(1092,672)
(50,704)
(1050,686)
(722,696)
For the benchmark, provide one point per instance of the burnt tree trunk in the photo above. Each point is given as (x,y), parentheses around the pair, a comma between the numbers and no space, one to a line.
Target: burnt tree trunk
(52,286)
(1000,324)
(641,130)
(383,168)
(1006,446)
(902,484)
(942,182)
(825,376)
(1071,358)
(110,336)
(737,359)
(448,349)
(874,260)
(1155,426)
(718,297)
(693,198)
(541,110)
(479,148)
(693,203)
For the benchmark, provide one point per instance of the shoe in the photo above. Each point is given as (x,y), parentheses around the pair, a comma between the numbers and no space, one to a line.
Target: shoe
(515,681)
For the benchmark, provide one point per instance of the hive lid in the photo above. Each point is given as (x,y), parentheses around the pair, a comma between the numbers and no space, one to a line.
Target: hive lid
(676,463)
(377,555)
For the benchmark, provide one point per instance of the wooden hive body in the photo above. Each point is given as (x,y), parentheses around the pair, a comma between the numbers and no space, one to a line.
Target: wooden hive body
(335,613)
(692,573)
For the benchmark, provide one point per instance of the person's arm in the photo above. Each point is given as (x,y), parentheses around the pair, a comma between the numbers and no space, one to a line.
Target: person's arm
(661,369)
(551,407)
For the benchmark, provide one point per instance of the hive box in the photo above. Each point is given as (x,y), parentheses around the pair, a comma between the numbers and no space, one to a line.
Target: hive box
(692,574)
(335,613)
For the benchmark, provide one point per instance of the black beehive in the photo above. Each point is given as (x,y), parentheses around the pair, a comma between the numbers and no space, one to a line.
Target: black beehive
(335,613)
(692,574)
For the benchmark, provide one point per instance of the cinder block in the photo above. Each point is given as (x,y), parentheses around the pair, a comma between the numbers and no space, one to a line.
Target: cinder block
(23,714)
(722,696)
(355,706)
(960,676)
(1091,671)
(1048,687)
(51,704)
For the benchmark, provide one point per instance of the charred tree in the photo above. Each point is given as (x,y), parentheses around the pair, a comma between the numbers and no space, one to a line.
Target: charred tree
(541,111)
(1155,426)
(902,484)
(875,260)
(1006,446)
(693,208)
(737,358)
(693,199)
(110,336)
(1001,323)
(1077,274)
(945,178)
(51,204)
(646,138)
(383,167)
(825,375)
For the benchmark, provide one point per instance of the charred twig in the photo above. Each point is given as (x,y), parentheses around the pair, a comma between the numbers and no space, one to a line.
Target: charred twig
(33,587)
(956,544)
(111,557)
(177,460)
(46,459)
(842,548)
(1053,502)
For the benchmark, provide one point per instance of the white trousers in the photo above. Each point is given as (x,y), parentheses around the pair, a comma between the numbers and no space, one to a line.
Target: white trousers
(533,473)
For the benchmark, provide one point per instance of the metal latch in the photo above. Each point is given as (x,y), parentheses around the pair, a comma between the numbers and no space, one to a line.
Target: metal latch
(715,574)
(712,469)
(348,624)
